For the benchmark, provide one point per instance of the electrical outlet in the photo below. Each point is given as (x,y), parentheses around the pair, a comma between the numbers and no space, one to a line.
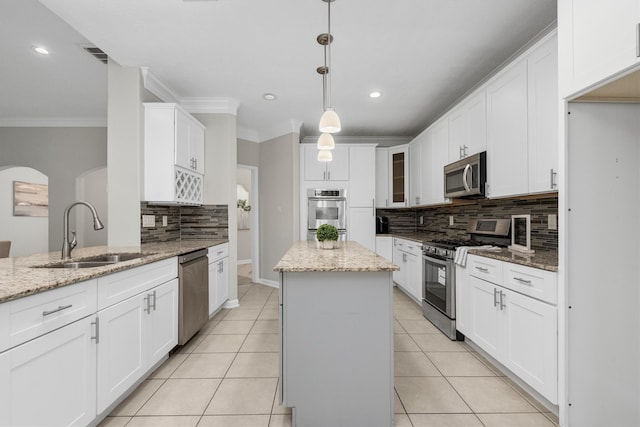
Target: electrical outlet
(552,221)
(148,220)
(450,219)
(421,220)
(164,220)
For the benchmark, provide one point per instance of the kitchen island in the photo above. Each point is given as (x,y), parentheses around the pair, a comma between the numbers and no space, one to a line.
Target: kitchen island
(336,323)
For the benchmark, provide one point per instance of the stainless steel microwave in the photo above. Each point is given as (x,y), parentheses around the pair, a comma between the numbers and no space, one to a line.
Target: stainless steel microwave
(466,177)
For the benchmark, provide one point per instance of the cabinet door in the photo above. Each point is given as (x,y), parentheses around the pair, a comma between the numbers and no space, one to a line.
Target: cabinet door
(399,176)
(415,175)
(543,117)
(162,322)
(486,319)
(182,124)
(214,267)
(531,349)
(599,40)
(382,177)
(50,381)
(121,350)
(313,169)
(413,266)
(463,301)
(384,247)
(438,159)
(399,259)
(338,168)
(222,283)
(476,123)
(362,192)
(362,226)
(196,145)
(507,132)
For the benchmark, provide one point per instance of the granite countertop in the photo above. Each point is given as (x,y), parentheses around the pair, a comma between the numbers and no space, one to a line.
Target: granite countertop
(542,259)
(20,276)
(348,256)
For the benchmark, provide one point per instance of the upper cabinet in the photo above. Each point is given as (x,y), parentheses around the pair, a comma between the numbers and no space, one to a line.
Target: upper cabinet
(362,192)
(399,176)
(437,143)
(415,178)
(173,155)
(468,127)
(382,177)
(335,170)
(598,39)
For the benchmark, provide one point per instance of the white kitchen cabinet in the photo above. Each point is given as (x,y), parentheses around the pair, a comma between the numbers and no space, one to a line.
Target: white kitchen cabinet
(384,247)
(361,226)
(598,40)
(507,132)
(415,175)
(218,276)
(335,170)
(504,316)
(173,155)
(468,127)
(543,116)
(50,380)
(407,255)
(162,330)
(434,158)
(382,177)
(399,176)
(362,191)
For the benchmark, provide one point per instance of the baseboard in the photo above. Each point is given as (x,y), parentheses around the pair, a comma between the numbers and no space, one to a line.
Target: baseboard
(244,261)
(232,303)
(266,282)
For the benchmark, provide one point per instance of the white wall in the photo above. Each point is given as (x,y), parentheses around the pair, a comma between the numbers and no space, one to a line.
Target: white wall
(243,177)
(92,187)
(28,235)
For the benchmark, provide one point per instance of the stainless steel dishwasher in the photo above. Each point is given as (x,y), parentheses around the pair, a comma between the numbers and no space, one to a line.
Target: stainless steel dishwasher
(193,306)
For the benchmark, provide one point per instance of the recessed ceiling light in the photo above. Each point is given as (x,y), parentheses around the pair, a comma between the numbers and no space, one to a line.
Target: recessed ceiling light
(41,50)
(375,94)
(270,96)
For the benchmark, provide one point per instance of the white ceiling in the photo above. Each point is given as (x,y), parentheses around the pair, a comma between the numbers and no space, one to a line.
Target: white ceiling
(422,54)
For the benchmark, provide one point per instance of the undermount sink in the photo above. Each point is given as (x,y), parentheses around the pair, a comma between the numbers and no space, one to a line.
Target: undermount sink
(95,261)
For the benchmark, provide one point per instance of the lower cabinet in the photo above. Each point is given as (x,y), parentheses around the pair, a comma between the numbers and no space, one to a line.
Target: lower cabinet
(362,227)
(384,247)
(134,335)
(517,330)
(218,277)
(408,256)
(50,380)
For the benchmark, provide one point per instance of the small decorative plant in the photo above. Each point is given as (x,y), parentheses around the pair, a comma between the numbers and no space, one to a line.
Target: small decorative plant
(327,235)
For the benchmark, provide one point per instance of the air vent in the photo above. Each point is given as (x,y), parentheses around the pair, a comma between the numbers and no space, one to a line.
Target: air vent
(96,53)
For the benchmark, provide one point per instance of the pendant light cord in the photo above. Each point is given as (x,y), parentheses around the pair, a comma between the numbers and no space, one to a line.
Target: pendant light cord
(328,56)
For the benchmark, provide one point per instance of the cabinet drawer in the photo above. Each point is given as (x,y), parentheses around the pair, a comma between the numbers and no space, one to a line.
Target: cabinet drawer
(29,317)
(218,252)
(485,268)
(539,284)
(120,286)
(413,248)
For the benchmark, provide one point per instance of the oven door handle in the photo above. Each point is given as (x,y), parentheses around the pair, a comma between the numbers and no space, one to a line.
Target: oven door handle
(435,259)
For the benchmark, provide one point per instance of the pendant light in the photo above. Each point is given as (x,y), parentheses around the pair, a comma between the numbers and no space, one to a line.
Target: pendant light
(326,142)
(324,156)
(329,121)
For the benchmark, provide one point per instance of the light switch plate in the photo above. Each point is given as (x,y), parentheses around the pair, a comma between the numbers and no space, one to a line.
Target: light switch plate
(148,220)
(421,219)
(450,219)
(164,220)
(552,220)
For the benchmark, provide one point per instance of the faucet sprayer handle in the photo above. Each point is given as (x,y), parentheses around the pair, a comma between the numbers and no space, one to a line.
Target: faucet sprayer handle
(73,242)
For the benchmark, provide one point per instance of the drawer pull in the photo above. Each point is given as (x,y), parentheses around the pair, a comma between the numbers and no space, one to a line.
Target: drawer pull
(502,304)
(495,297)
(521,280)
(484,270)
(60,308)
(97,336)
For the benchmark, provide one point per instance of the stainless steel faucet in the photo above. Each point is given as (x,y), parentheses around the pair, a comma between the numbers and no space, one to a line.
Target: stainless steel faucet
(67,246)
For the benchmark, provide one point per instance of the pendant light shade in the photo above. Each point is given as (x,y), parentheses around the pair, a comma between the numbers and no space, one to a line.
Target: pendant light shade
(324,156)
(329,121)
(326,142)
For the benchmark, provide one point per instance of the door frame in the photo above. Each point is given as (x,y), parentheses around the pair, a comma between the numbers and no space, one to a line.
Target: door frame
(255,221)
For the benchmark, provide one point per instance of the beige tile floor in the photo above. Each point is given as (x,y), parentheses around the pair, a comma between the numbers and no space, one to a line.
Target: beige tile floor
(227,376)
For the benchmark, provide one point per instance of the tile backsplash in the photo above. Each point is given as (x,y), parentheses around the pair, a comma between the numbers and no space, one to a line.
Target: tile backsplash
(436,219)
(185,222)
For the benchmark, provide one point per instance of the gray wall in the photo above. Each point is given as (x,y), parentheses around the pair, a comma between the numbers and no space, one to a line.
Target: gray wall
(279,187)
(244,235)
(60,153)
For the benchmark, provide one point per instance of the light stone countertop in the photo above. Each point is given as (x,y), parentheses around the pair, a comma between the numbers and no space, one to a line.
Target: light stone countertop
(306,256)
(20,276)
(542,259)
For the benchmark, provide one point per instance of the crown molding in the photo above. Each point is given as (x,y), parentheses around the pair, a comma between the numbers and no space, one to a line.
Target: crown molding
(154,85)
(382,141)
(247,134)
(284,128)
(211,105)
(57,122)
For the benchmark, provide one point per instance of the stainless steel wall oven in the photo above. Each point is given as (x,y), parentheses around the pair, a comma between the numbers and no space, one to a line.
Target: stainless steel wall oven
(326,207)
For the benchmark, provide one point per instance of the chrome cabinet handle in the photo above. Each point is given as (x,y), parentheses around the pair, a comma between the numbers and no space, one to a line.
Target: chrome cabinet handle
(324,175)
(502,304)
(147,299)
(60,308)
(97,336)
(484,270)
(329,175)
(461,152)
(521,280)
(467,168)
(552,175)
(495,297)
(154,300)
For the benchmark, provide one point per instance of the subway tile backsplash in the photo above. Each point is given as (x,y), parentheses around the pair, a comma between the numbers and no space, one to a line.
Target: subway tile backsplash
(436,219)
(185,222)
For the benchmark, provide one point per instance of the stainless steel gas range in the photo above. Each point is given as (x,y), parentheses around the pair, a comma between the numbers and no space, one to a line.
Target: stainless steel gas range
(439,270)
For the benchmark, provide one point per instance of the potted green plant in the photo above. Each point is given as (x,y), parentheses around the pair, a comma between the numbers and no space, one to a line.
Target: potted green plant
(327,236)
